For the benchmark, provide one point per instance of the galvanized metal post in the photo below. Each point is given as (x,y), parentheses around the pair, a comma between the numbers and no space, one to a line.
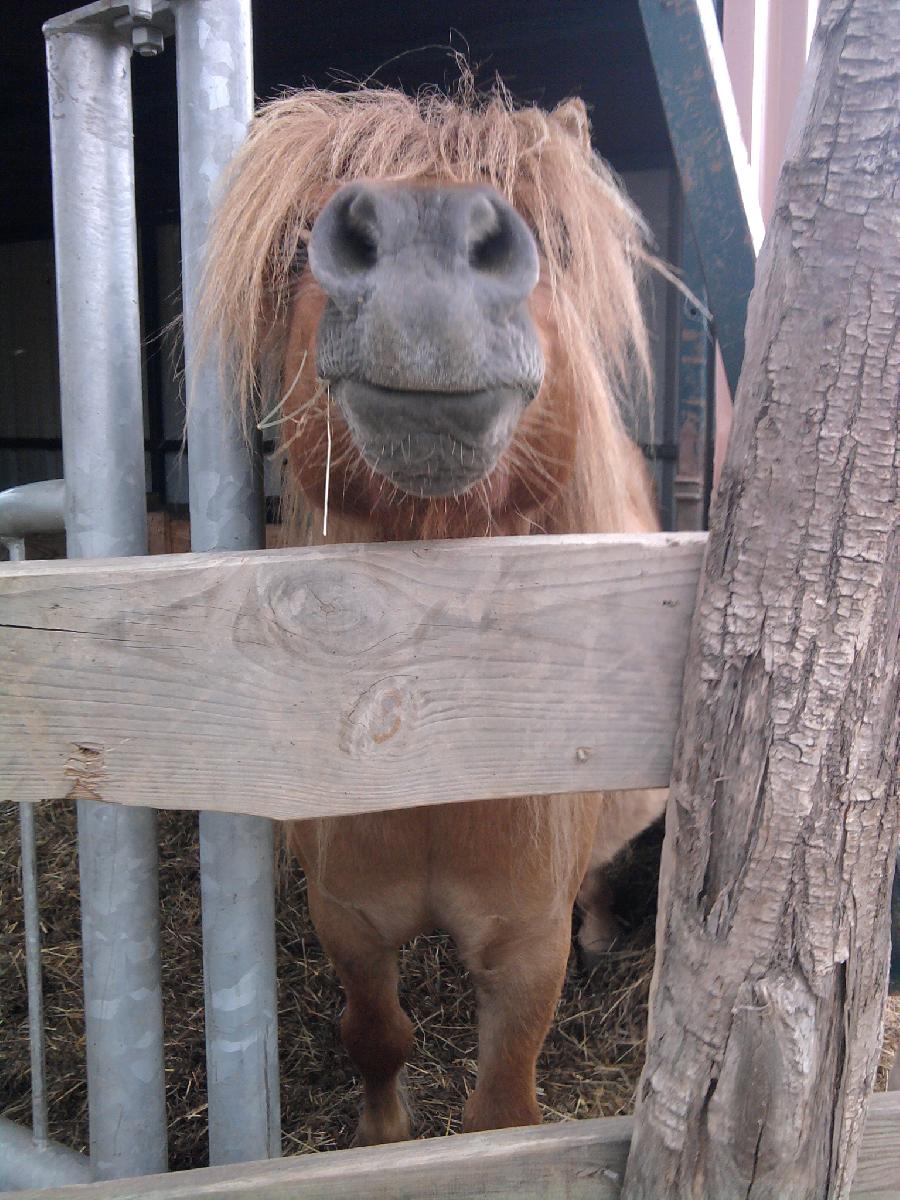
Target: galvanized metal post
(89,71)
(16,549)
(215,103)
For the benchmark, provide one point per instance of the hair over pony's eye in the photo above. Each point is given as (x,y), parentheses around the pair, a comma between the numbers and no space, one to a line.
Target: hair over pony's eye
(560,248)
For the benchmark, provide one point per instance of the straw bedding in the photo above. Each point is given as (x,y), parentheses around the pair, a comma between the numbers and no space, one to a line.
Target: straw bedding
(589,1067)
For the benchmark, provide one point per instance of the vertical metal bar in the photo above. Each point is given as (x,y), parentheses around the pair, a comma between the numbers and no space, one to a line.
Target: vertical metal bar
(693,391)
(89,71)
(27,841)
(215,103)
(237,891)
(33,974)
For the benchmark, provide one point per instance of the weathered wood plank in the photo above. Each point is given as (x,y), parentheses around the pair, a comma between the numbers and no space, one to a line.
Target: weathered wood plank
(581,1160)
(346,678)
(878,1170)
(578,1160)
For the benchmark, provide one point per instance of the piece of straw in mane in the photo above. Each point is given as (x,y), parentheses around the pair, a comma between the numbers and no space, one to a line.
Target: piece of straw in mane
(300,148)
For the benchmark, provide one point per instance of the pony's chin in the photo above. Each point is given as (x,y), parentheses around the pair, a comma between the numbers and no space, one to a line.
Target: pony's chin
(430,444)
(424,484)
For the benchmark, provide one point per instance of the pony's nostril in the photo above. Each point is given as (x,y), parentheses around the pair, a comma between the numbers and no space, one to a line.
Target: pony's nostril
(355,244)
(499,245)
(490,244)
(493,252)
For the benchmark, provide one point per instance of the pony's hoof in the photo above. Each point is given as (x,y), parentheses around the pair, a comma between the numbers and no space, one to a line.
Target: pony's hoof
(389,1121)
(594,941)
(377,1131)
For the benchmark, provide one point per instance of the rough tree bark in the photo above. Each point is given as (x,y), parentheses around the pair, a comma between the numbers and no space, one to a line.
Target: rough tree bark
(772,941)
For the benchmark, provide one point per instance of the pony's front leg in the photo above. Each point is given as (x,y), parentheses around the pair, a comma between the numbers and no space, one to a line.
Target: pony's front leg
(376,1032)
(518,976)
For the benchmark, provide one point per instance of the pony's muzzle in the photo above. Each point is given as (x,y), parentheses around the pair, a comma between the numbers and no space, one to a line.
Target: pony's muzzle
(426,337)
(427,289)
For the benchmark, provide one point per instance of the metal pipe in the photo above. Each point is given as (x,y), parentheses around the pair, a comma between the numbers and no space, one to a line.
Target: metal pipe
(27,1163)
(33,973)
(33,508)
(89,72)
(27,842)
(237,891)
(215,103)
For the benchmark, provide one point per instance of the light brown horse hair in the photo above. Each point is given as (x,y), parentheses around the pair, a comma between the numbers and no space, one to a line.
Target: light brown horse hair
(571,453)
(302,147)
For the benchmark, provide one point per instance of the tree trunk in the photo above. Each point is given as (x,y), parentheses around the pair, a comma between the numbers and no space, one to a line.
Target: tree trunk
(772,940)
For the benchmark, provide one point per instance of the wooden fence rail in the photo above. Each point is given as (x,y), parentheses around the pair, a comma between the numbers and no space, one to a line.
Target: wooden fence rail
(346,678)
(578,1160)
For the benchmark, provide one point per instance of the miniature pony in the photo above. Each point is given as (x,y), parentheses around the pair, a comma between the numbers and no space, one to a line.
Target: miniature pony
(435,301)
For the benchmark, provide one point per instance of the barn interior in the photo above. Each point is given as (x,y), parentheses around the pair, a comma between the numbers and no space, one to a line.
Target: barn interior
(544,51)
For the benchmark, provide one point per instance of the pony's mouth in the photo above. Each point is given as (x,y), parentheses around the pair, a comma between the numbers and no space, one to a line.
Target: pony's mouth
(430,443)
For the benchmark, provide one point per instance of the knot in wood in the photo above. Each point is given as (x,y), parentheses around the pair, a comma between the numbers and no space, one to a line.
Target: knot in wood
(383,715)
(325,612)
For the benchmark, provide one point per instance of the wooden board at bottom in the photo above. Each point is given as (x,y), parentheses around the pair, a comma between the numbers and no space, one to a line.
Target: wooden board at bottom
(575,1160)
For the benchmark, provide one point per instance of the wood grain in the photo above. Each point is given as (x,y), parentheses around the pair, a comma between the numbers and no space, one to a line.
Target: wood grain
(878,1170)
(578,1160)
(346,678)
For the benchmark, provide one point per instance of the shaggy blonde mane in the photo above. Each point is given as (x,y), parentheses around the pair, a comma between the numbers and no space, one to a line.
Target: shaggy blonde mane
(301,147)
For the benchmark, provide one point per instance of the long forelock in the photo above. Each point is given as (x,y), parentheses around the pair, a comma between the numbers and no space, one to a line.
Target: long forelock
(304,145)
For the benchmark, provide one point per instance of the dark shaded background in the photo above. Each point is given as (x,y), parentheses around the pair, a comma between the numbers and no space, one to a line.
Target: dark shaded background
(544,50)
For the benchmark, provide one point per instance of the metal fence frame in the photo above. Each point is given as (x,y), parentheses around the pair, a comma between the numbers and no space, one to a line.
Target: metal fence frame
(95,232)
(29,1157)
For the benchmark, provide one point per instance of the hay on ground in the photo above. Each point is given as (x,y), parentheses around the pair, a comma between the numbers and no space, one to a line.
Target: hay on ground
(590,1065)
